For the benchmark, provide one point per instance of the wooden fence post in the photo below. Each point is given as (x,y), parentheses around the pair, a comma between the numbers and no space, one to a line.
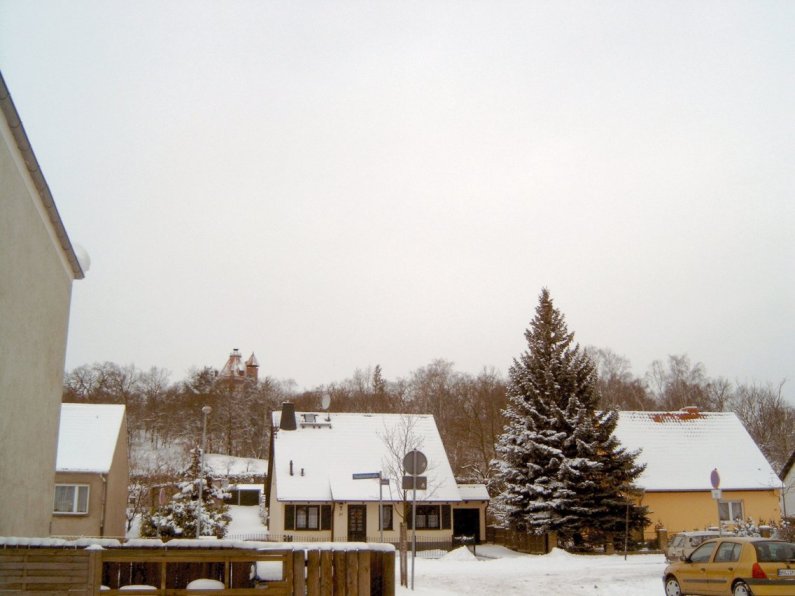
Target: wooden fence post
(326,573)
(313,572)
(364,572)
(352,573)
(299,577)
(339,573)
(388,574)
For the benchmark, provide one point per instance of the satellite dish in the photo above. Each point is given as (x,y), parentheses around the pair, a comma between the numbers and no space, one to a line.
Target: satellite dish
(325,401)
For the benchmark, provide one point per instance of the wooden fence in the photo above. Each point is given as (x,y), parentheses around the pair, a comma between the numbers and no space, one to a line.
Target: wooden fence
(537,544)
(288,570)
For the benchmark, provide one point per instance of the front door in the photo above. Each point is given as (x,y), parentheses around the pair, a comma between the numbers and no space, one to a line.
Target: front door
(357,523)
(466,524)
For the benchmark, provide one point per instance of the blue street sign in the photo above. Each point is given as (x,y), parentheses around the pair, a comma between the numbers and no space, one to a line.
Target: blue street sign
(365,475)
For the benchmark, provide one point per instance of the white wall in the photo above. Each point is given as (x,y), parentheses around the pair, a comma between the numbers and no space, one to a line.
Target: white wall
(35,293)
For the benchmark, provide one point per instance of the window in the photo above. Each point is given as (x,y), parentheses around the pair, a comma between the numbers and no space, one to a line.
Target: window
(728,552)
(71,498)
(430,517)
(702,553)
(307,517)
(387,517)
(730,510)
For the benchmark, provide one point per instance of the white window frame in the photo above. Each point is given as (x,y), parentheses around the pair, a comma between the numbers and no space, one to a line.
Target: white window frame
(732,506)
(77,489)
(309,516)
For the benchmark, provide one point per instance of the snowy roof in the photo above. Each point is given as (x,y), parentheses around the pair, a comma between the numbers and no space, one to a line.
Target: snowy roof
(680,450)
(228,465)
(473,492)
(327,454)
(87,437)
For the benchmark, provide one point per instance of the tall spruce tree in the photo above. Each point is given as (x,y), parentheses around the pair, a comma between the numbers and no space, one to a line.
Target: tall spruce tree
(560,467)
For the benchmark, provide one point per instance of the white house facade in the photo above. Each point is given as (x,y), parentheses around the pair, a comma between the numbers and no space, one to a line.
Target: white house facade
(334,477)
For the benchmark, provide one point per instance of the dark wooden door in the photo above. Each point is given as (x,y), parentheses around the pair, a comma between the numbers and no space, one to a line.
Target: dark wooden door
(466,522)
(357,523)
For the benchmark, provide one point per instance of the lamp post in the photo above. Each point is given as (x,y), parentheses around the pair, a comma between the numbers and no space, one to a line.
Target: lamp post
(199,481)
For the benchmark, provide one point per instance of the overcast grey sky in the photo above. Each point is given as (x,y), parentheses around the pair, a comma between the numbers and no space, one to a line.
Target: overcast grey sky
(339,184)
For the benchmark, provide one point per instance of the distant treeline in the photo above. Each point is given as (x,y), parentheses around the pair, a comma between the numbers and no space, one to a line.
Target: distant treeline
(467,408)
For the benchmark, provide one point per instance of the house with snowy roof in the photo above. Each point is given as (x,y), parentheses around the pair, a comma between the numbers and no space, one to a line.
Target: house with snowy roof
(685,453)
(91,474)
(335,476)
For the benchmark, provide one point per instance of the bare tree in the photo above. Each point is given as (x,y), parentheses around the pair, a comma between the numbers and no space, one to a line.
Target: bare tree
(768,418)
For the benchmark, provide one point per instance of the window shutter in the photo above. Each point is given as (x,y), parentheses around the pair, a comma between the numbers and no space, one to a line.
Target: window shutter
(325,517)
(445,517)
(407,516)
(289,517)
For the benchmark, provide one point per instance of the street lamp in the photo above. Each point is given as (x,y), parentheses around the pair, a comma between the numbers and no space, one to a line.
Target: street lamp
(206,411)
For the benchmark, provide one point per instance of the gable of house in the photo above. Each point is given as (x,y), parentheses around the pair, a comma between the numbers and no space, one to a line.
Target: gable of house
(91,475)
(37,268)
(681,450)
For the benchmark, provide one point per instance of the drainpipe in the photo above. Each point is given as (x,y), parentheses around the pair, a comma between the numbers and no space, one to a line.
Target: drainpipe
(104,479)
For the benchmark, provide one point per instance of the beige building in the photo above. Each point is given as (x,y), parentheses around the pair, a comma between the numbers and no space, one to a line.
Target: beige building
(37,268)
(91,474)
(335,476)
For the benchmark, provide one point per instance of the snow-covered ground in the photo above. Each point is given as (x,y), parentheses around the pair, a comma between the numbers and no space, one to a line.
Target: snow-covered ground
(499,571)
(556,574)
(245,523)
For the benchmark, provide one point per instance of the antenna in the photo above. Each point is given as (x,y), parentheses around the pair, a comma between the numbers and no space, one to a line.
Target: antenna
(325,402)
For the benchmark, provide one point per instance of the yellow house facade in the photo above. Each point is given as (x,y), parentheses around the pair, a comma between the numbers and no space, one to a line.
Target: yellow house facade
(702,469)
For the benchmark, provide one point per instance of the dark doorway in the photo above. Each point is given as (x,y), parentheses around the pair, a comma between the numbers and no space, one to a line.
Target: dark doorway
(466,522)
(357,523)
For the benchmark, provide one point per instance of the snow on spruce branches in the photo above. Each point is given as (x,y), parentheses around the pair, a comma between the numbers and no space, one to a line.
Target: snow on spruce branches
(177,518)
(558,463)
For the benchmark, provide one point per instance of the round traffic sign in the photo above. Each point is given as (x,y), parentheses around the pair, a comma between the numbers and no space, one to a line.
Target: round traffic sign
(415,462)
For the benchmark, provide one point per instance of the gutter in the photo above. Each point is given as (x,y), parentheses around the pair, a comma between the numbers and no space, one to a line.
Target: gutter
(104,479)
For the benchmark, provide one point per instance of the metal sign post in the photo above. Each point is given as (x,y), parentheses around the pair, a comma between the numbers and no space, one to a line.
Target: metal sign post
(414,463)
(714,479)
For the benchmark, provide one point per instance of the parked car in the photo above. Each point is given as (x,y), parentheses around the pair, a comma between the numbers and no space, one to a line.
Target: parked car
(684,543)
(734,566)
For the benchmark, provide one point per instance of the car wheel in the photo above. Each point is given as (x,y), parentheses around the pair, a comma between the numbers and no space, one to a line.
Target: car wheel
(741,589)
(672,587)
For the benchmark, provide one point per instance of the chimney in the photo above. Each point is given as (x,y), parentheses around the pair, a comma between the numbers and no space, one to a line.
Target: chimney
(287,421)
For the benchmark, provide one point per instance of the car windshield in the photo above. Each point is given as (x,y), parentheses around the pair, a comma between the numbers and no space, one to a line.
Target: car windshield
(774,552)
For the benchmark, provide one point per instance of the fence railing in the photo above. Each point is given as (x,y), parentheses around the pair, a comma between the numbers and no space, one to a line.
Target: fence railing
(174,569)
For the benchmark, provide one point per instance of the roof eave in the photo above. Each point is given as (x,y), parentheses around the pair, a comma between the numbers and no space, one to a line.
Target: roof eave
(34,170)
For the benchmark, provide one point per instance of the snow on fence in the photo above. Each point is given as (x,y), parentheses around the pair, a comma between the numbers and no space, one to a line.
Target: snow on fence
(182,566)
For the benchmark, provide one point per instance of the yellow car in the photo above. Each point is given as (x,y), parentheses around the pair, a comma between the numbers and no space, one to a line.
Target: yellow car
(734,566)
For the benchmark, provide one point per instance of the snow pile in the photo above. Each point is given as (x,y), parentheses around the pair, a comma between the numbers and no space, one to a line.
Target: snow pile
(460,554)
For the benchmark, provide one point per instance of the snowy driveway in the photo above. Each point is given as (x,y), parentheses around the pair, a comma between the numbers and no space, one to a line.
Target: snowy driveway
(555,574)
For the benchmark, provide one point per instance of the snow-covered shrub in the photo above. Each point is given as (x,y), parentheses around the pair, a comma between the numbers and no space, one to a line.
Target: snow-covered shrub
(177,518)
